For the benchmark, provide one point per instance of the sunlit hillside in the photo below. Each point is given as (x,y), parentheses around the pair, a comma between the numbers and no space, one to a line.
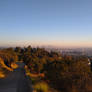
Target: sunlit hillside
(51,70)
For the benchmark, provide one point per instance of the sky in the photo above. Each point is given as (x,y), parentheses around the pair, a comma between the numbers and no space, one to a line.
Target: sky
(60,23)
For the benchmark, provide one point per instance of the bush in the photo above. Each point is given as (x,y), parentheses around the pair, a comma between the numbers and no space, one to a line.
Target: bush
(41,87)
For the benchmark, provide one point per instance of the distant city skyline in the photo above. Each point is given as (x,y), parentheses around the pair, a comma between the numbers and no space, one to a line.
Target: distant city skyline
(59,23)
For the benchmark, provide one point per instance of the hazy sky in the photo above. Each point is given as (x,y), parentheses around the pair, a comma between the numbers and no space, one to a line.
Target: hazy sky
(46,22)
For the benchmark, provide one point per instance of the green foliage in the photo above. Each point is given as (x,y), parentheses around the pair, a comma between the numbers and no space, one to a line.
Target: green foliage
(8,56)
(68,74)
(64,73)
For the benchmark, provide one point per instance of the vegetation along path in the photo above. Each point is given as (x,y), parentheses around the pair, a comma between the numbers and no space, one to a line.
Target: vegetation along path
(17,81)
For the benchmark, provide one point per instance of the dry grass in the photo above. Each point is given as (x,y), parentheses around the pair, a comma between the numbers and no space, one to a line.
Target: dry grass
(2,64)
(14,65)
(35,75)
(2,75)
(3,69)
(41,87)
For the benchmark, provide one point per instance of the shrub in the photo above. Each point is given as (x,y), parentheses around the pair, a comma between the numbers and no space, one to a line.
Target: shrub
(41,87)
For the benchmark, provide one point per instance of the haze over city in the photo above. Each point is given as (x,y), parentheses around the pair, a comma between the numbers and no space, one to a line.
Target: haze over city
(60,23)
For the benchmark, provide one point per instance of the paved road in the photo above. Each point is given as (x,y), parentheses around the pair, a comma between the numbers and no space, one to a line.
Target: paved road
(17,81)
